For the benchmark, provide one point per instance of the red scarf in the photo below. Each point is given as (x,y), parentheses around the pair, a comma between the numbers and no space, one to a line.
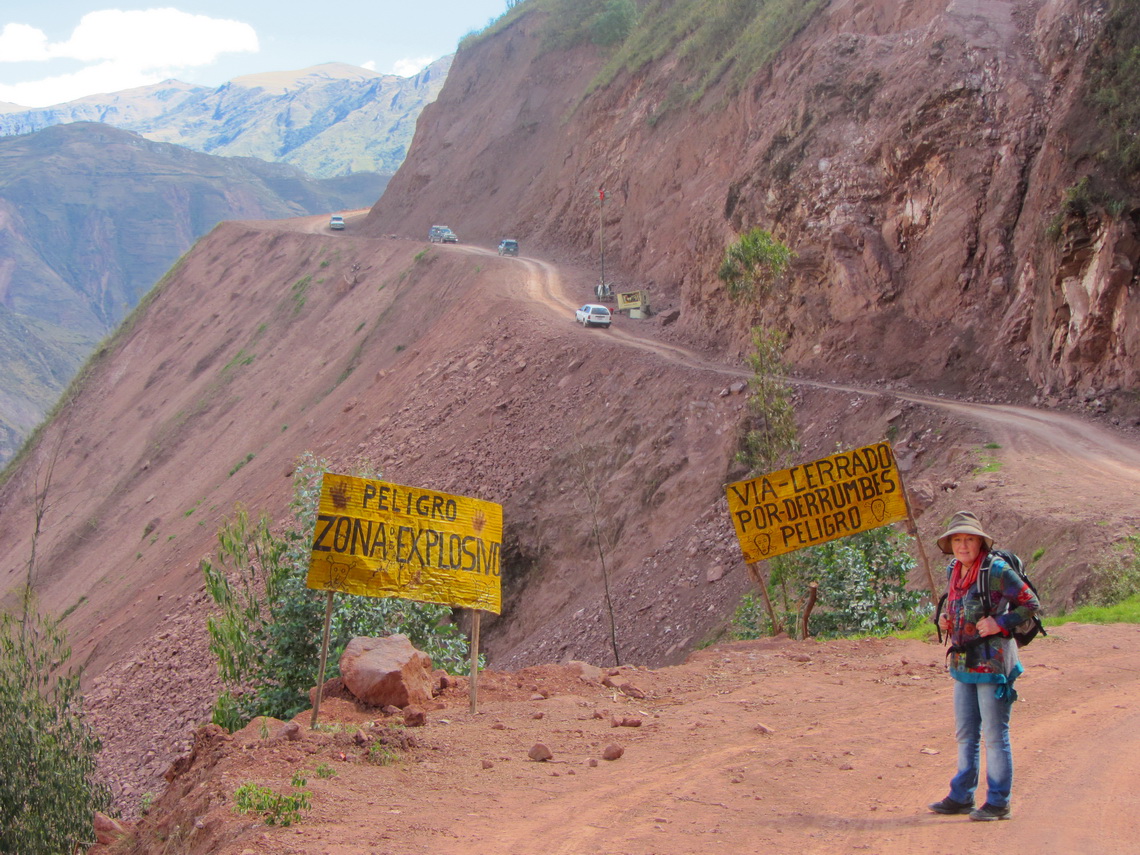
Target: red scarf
(961,580)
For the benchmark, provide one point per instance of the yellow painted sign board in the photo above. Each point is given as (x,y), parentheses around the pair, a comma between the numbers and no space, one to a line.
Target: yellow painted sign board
(385,540)
(816,502)
(629,300)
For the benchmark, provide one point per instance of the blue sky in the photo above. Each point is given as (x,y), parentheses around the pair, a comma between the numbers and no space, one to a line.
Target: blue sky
(53,51)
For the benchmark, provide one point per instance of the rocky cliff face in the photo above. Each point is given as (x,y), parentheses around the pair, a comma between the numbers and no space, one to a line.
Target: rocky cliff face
(915,155)
(329,120)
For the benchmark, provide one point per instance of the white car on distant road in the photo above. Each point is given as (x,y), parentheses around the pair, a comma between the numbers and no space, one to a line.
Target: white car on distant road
(336,221)
(592,314)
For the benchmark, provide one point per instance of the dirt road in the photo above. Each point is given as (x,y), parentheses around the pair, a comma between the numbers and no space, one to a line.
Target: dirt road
(1071,447)
(750,747)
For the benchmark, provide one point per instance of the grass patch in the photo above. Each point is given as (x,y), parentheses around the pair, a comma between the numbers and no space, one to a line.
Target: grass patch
(987,462)
(241,463)
(1116,580)
(275,808)
(241,359)
(1126,611)
(299,293)
(717,41)
(72,608)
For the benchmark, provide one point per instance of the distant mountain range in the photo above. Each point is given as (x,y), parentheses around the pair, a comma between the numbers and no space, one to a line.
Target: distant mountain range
(328,120)
(91,217)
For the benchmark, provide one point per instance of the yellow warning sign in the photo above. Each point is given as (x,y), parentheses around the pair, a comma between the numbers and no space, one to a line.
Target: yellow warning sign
(816,502)
(385,540)
(629,299)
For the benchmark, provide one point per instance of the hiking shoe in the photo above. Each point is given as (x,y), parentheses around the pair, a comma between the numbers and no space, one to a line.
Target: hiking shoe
(988,813)
(949,805)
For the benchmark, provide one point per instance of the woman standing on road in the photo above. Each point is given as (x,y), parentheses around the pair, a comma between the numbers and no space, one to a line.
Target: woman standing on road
(984,664)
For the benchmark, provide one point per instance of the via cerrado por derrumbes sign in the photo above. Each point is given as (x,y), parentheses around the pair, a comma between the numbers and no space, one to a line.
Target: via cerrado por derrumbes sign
(815,502)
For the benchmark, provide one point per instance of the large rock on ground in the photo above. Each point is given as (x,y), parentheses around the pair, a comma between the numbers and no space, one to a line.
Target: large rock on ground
(386,671)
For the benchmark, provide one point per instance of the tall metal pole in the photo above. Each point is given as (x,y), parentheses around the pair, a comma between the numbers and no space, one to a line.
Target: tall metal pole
(602,236)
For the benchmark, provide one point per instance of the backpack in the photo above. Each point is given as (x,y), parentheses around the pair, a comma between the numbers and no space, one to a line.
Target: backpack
(1025,631)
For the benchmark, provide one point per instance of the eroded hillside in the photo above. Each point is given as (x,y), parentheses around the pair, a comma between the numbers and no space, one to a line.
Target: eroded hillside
(915,155)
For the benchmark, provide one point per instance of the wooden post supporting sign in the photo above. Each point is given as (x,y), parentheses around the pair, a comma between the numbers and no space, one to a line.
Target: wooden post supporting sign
(324,659)
(475,613)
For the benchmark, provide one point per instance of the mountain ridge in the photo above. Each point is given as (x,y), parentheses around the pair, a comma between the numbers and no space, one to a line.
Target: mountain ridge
(329,120)
(90,218)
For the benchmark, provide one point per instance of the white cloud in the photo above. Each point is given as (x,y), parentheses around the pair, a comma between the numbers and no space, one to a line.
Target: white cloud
(411,66)
(370,65)
(21,43)
(122,49)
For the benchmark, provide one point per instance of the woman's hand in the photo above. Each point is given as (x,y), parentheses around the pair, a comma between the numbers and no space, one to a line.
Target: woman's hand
(988,626)
(944,623)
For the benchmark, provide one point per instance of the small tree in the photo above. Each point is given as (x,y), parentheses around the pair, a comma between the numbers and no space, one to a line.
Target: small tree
(771,438)
(753,264)
(48,788)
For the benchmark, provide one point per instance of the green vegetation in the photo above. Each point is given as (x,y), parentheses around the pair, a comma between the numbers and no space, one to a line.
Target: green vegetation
(275,808)
(324,770)
(1126,611)
(72,607)
(241,463)
(380,754)
(716,41)
(1114,83)
(771,437)
(48,790)
(987,463)
(1116,579)
(602,22)
(754,264)
(268,632)
(862,588)
(299,293)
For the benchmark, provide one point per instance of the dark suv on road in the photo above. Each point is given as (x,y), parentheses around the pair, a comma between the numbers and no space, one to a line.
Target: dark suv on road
(508,247)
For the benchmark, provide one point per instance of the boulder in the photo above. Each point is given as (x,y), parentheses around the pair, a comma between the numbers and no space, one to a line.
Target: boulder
(387,672)
(108,831)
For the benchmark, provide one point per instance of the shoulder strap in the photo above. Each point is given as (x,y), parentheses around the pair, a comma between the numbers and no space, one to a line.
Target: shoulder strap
(984,580)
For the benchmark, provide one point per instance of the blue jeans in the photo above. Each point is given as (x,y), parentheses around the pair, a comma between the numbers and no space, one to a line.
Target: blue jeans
(979,715)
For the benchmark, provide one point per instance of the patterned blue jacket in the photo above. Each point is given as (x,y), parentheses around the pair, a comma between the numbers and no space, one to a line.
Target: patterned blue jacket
(995,659)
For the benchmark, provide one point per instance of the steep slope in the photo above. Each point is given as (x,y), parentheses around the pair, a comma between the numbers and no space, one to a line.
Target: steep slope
(328,120)
(90,218)
(913,154)
(452,368)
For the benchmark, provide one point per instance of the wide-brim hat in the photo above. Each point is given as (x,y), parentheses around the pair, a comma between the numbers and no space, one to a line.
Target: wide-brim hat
(963,522)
